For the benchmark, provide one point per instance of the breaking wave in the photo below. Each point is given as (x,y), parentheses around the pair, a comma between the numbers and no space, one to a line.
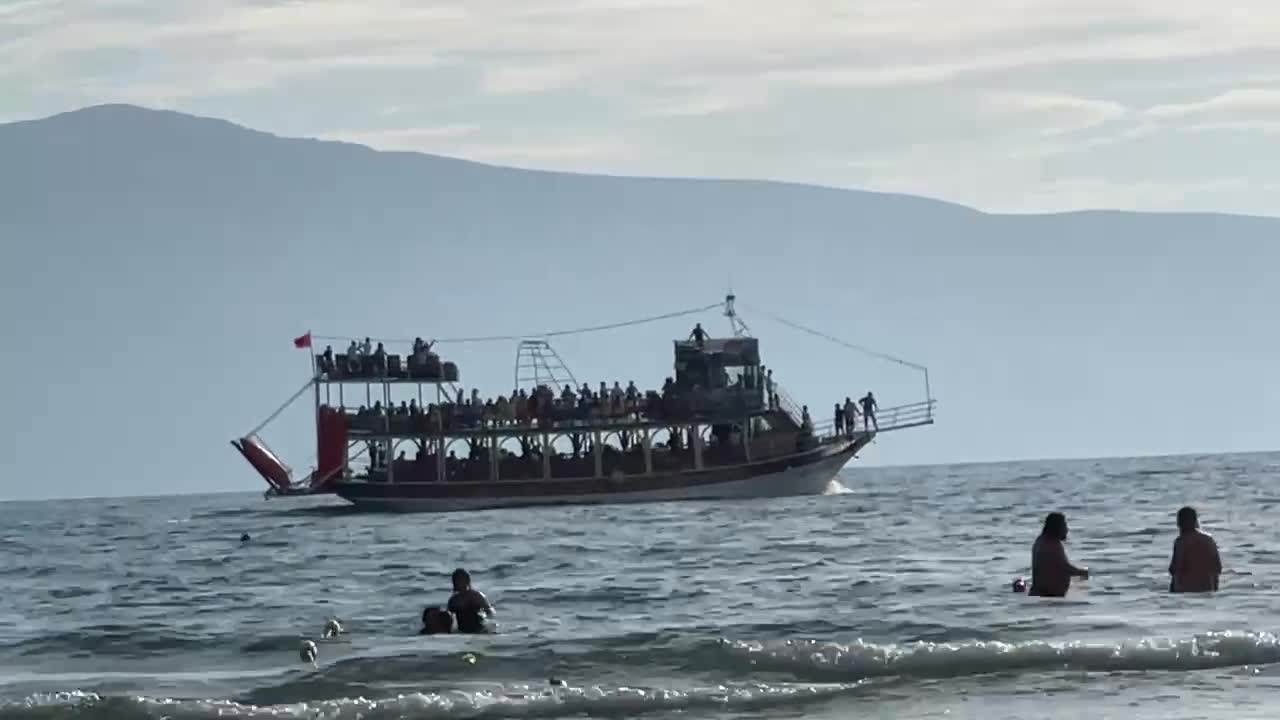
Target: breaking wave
(798,672)
(505,702)
(813,659)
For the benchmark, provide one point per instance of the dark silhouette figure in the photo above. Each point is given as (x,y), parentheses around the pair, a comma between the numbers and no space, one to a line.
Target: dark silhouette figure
(1051,571)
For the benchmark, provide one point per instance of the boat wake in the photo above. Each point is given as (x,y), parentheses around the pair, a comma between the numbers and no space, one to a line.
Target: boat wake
(835,487)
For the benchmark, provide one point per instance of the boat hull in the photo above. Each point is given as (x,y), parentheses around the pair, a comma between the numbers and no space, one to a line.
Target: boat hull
(811,474)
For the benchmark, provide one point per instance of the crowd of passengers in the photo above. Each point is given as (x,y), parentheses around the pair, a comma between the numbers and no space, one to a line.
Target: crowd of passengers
(367,359)
(584,405)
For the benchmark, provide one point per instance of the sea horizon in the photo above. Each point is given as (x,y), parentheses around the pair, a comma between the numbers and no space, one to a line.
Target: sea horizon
(852,466)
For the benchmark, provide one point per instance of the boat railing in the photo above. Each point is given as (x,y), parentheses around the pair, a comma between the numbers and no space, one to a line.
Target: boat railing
(788,405)
(900,417)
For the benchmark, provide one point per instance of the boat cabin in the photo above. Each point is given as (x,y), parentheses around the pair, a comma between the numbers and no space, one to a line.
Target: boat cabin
(720,376)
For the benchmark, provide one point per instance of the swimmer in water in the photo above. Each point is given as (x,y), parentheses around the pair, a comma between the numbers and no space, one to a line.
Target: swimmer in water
(1051,571)
(436,622)
(467,604)
(1195,565)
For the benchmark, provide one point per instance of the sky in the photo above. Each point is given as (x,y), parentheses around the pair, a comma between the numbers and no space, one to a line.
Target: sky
(1088,344)
(1004,105)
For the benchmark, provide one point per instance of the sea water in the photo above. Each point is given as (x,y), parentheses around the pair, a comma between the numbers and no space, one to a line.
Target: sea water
(889,600)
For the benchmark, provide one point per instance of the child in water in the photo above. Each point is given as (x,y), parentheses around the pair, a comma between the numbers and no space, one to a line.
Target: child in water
(436,622)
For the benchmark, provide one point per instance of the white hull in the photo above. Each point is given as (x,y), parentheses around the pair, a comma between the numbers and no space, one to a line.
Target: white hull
(813,479)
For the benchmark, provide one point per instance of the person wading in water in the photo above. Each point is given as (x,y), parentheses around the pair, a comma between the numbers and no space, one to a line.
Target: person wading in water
(1051,571)
(1195,565)
(468,604)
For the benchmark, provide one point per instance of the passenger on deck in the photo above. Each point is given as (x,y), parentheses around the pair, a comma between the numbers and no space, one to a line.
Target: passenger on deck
(1051,571)
(770,395)
(698,335)
(468,604)
(326,359)
(615,398)
(839,419)
(380,360)
(353,358)
(806,422)
(520,404)
(366,349)
(869,412)
(850,416)
(1196,565)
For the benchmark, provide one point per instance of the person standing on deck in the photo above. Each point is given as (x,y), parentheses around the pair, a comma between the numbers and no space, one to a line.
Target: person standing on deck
(1051,571)
(850,416)
(1196,565)
(869,412)
(839,419)
(698,335)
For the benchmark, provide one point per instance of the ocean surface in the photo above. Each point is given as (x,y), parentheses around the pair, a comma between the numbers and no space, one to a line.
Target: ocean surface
(887,599)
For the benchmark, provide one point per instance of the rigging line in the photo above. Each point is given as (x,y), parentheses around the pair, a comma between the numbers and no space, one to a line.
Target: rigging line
(838,341)
(553,333)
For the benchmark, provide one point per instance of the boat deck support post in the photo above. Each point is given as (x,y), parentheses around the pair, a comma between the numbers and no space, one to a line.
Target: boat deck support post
(697,445)
(646,442)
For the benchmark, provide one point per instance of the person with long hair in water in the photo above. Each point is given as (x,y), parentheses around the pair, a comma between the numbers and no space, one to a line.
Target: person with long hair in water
(469,606)
(1196,565)
(1051,571)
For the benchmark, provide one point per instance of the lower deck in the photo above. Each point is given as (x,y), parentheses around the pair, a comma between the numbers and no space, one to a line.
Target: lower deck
(801,473)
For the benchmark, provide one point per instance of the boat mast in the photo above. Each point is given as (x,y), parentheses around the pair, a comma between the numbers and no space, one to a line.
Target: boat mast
(739,328)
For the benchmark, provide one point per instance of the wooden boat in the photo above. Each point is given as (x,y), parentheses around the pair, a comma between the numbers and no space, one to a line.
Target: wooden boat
(720,427)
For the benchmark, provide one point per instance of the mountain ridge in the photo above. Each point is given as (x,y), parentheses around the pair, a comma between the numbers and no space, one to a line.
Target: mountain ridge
(162,262)
(133,111)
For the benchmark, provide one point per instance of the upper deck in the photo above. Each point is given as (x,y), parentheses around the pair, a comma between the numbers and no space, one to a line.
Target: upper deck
(379,366)
(715,380)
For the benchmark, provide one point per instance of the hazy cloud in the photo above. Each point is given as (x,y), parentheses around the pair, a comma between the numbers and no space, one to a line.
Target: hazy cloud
(1002,93)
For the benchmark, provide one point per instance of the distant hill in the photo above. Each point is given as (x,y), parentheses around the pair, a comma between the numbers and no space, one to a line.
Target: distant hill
(154,266)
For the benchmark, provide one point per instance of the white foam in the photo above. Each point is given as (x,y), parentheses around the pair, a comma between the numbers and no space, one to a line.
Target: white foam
(835,487)
(510,701)
(861,659)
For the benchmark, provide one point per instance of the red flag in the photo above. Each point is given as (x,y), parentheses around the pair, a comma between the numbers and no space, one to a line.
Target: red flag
(303,341)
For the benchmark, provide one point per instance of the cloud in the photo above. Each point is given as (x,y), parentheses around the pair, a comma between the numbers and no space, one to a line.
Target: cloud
(533,79)
(1056,113)
(818,90)
(420,139)
(1232,102)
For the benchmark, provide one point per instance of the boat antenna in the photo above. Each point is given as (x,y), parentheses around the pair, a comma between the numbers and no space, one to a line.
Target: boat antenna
(739,327)
(544,335)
